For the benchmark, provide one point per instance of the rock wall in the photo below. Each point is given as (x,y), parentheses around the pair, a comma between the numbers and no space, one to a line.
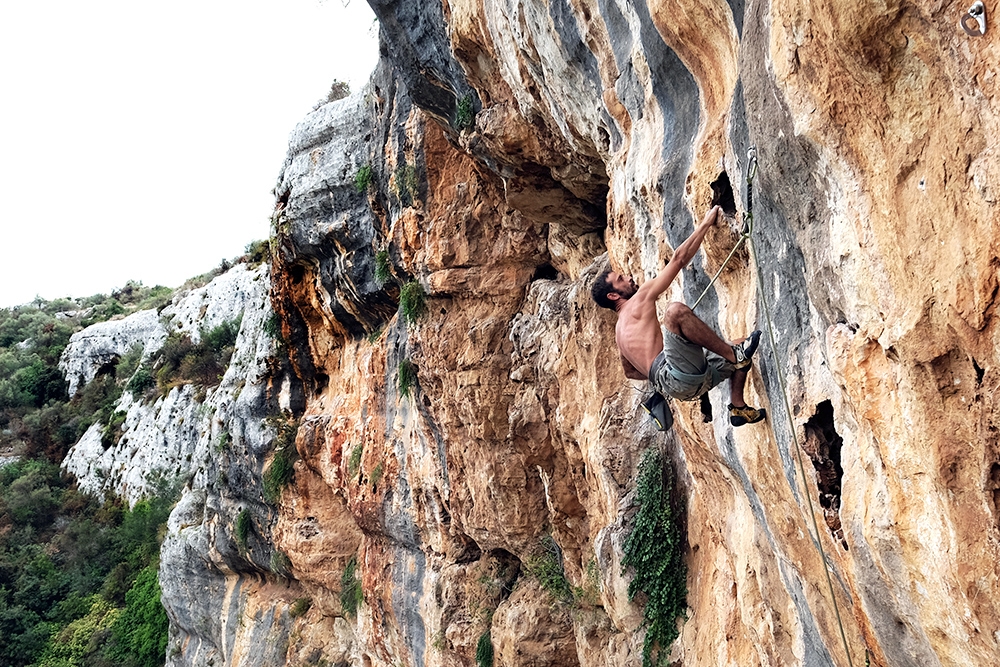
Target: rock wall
(510,146)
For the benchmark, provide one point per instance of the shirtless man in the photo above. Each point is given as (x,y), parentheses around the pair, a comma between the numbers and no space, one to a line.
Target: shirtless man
(692,359)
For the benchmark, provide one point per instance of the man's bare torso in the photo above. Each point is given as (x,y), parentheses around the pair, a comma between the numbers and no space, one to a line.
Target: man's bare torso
(638,334)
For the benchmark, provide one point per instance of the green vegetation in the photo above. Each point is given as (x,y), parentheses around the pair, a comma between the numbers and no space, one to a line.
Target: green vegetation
(376,475)
(300,607)
(272,327)
(354,461)
(280,473)
(546,567)
(338,91)
(654,549)
(465,119)
(412,301)
(241,530)
(351,595)
(37,416)
(364,178)
(407,379)
(182,361)
(257,253)
(281,564)
(77,576)
(405,184)
(484,650)
(383,270)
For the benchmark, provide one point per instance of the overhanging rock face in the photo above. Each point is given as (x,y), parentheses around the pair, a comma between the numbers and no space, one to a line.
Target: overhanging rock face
(511,149)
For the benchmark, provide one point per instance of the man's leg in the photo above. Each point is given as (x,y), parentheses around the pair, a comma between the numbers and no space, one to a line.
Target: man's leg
(739,412)
(681,320)
(736,384)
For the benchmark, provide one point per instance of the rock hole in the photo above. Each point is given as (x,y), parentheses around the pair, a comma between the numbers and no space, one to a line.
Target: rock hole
(706,408)
(297,273)
(321,382)
(108,367)
(823,444)
(545,272)
(722,194)
(980,372)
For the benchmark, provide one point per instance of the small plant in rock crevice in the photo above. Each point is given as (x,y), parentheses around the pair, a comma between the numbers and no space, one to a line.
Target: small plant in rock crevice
(465,117)
(280,472)
(241,529)
(546,566)
(405,184)
(351,595)
(383,270)
(655,550)
(412,301)
(363,179)
(484,650)
(407,377)
(354,460)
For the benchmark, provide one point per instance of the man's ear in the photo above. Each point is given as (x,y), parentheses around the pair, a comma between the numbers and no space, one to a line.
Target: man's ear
(614,296)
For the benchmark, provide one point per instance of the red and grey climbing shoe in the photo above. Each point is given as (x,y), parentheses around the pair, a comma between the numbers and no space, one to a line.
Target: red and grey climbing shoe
(744,351)
(745,415)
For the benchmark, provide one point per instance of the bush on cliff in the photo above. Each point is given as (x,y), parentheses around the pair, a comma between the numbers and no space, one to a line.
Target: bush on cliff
(655,550)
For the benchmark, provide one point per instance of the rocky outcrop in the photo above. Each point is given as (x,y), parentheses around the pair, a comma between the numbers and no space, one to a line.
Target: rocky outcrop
(508,147)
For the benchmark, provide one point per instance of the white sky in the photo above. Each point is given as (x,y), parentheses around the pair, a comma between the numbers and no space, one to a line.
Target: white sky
(141,140)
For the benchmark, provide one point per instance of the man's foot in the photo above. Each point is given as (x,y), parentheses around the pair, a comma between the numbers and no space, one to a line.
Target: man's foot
(744,351)
(745,415)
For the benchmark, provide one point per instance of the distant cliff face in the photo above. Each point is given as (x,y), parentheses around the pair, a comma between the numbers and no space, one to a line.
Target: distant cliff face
(501,149)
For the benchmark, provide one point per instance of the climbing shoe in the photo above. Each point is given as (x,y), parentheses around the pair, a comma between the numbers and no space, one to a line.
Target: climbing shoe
(745,415)
(744,351)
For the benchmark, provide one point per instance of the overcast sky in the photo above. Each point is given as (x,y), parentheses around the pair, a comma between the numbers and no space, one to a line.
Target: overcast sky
(141,140)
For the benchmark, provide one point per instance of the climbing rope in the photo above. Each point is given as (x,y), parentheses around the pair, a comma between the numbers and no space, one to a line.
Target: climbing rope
(747,229)
(747,221)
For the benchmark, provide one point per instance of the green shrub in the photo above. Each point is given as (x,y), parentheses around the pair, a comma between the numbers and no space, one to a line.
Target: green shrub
(407,379)
(376,475)
(351,595)
(363,179)
(412,301)
(484,650)
(354,461)
(281,564)
(141,381)
(241,529)
(139,633)
(405,184)
(279,474)
(257,252)
(300,607)
(383,271)
(546,567)
(112,431)
(654,549)
(272,327)
(466,116)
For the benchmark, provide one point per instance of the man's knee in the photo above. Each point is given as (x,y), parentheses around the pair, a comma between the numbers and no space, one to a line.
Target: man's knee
(675,313)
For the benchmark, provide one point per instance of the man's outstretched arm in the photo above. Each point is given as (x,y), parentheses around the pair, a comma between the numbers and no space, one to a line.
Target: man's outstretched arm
(682,255)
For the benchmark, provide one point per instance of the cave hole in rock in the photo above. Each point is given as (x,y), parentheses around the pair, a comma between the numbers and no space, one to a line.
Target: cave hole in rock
(108,367)
(321,382)
(980,372)
(993,490)
(297,272)
(823,444)
(545,272)
(722,194)
(706,407)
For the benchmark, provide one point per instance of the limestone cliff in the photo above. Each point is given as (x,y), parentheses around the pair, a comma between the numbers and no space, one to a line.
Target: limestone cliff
(505,147)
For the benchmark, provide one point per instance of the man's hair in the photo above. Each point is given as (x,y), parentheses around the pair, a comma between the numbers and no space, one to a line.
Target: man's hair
(601,289)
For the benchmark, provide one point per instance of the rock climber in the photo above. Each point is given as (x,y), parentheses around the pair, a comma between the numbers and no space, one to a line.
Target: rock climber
(689,358)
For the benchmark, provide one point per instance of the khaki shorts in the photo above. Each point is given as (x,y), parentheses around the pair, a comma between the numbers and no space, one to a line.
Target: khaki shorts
(685,370)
